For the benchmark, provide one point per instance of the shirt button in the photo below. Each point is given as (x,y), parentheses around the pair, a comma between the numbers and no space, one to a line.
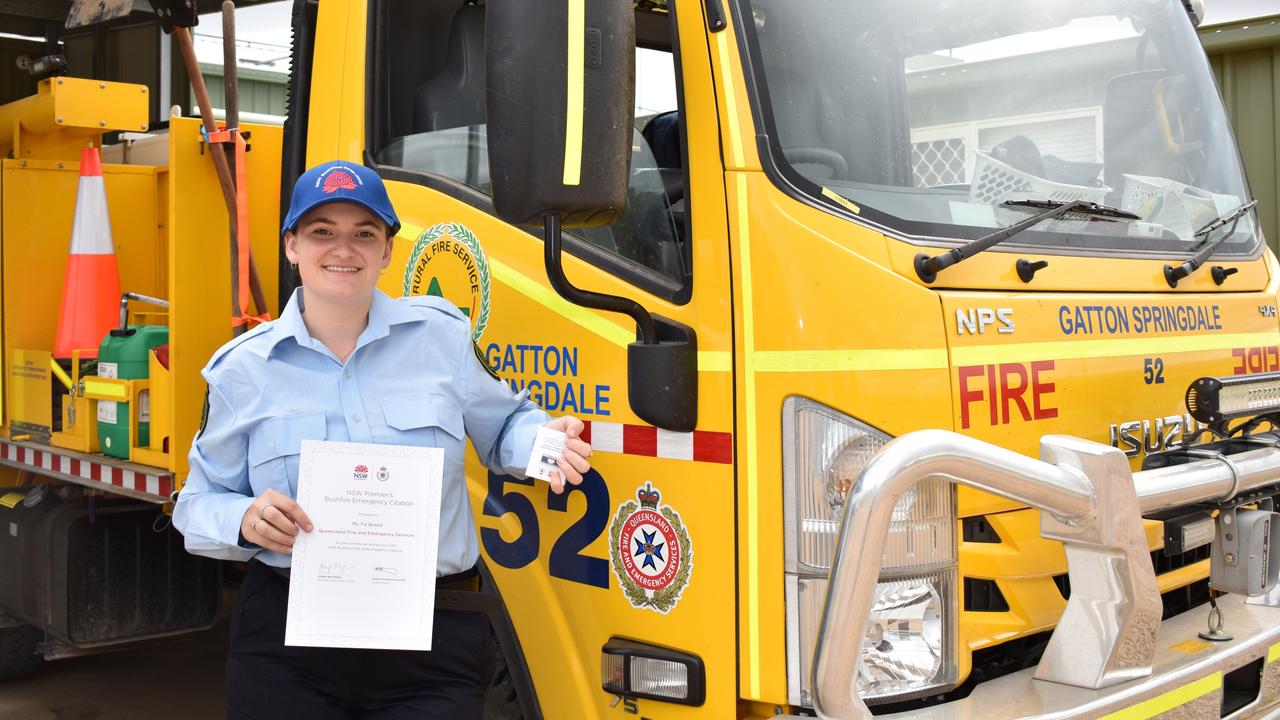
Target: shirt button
(346,374)
(355,419)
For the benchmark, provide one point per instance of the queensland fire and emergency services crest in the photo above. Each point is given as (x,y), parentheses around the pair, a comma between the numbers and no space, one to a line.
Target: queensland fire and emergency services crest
(447,261)
(651,552)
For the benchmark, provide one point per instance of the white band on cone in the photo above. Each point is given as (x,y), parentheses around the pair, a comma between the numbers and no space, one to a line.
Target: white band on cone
(91,230)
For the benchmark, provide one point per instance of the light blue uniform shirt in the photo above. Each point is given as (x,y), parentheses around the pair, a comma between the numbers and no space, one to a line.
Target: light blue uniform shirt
(413,379)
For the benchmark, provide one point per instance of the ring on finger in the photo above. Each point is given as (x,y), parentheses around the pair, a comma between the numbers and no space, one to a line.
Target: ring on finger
(253,526)
(262,510)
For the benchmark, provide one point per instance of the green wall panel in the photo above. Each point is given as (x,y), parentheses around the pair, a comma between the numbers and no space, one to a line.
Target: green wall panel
(1246,63)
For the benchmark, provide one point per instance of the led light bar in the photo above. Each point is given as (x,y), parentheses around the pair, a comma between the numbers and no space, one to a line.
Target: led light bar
(1212,400)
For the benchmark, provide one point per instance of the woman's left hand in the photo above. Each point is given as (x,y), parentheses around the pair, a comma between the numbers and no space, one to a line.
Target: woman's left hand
(574,461)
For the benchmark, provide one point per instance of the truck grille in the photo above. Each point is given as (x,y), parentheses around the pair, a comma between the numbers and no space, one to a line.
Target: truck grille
(1176,601)
(983,596)
(1160,561)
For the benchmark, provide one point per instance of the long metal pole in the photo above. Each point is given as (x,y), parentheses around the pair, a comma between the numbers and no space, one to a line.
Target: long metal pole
(219,159)
(231,85)
(231,91)
(232,101)
(206,115)
(230,77)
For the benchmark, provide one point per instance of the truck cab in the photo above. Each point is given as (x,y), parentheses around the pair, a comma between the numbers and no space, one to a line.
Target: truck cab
(780,203)
(939,277)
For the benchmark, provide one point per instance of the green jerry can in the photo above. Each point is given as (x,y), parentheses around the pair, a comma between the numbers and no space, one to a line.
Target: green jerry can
(124,354)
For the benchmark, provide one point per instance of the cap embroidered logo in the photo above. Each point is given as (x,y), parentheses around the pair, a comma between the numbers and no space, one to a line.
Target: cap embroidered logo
(338,180)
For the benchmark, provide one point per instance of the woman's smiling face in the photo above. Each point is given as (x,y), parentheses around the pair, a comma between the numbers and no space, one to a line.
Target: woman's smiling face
(340,248)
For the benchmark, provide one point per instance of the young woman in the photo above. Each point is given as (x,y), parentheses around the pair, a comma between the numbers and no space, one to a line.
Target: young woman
(346,362)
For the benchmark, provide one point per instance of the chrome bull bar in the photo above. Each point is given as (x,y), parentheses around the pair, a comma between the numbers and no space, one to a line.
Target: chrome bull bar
(1091,502)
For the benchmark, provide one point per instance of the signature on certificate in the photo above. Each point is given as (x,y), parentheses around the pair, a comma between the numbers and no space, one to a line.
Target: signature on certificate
(335,569)
(387,570)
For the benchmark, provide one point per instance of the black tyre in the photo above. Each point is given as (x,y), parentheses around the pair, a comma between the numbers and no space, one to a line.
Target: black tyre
(19,651)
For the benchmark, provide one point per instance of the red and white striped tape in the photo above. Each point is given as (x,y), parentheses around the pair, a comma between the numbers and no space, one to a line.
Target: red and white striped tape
(85,471)
(649,441)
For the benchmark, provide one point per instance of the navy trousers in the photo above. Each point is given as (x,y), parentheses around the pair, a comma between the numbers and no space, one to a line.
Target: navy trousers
(265,680)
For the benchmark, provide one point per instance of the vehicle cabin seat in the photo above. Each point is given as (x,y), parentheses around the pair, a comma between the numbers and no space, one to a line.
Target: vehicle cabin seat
(662,134)
(455,97)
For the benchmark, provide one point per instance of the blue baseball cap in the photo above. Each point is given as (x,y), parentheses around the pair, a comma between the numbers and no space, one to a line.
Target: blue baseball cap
(340,181)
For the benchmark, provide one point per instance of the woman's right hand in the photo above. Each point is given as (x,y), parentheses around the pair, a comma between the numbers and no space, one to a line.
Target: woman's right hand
(273,520)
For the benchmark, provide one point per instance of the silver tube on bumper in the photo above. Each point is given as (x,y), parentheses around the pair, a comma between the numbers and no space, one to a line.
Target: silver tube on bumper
(1091,502)
(1213,479)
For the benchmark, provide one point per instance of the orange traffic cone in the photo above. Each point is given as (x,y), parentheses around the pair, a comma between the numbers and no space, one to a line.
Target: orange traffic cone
(91,295)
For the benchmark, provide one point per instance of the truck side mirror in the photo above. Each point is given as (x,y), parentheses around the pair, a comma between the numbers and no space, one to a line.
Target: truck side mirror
(560,95)
(559,108)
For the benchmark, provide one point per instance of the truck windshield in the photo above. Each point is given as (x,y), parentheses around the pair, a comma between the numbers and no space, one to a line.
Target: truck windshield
(928,114)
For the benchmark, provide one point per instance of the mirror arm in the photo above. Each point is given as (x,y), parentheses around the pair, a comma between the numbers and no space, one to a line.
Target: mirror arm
(611,303)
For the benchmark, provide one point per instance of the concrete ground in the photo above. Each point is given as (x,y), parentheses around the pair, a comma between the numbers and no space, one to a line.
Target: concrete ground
(178,678)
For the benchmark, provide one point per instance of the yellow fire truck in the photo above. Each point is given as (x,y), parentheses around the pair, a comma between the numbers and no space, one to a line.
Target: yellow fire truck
(928,348)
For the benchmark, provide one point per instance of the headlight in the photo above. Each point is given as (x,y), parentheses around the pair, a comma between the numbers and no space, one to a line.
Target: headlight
(904,649)
(909,647)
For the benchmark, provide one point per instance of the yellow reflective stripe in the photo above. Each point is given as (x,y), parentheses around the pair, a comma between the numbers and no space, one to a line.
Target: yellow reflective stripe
(574,71)
(545,296)
(730,100)
(1170,700)
(849,360)
(714,361)
(1273,653)
(1122,347)
(708,360)
(753,520)
(109,389)
(548,298)
(59,373)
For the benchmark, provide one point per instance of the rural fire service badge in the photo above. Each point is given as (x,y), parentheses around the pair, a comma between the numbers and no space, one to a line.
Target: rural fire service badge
(447,262)
(651,552)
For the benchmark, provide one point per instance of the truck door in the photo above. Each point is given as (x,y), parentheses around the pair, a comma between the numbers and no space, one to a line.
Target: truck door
(644,549)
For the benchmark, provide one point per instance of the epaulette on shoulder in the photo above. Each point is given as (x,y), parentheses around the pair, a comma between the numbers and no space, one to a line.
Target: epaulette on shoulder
(434,303)
(235,342)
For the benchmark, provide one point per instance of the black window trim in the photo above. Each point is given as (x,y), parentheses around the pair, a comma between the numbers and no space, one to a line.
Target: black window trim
(303,19)
(631,272)
(800,188)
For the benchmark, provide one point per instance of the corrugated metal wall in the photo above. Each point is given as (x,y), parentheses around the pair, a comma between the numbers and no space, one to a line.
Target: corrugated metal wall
(1246,60)
(260,92)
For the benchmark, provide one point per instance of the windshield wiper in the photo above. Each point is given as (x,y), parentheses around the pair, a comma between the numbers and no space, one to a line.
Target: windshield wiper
(928,267)
(1173,274)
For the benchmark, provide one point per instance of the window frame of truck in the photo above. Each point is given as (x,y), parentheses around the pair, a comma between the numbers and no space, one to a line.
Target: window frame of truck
(933,237)
(378,84)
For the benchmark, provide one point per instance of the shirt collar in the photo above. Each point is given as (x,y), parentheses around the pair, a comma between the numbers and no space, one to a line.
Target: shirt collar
(384,312)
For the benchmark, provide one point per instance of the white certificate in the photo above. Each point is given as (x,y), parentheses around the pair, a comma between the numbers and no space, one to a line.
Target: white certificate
(364,577)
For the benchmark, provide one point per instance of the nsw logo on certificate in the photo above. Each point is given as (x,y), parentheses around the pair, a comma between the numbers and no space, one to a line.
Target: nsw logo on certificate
(364,577)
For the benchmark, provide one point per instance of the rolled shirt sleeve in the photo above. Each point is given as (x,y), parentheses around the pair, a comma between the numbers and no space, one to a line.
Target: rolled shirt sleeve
(217,493)
(501,425)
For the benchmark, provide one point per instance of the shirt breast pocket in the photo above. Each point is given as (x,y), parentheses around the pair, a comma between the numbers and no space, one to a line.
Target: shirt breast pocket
(425,420)
(273,450)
